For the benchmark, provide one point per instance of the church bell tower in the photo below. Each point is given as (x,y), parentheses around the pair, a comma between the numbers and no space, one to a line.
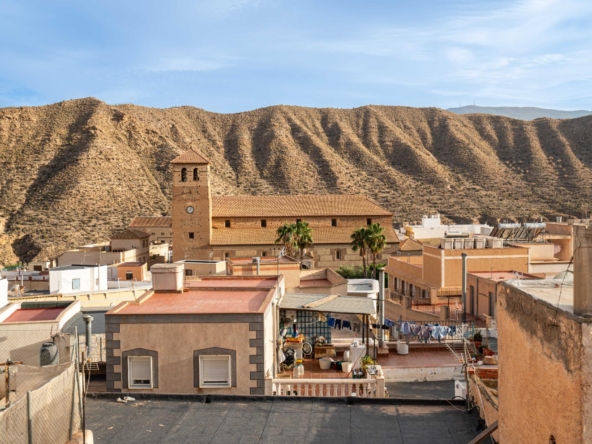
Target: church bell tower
(192,207)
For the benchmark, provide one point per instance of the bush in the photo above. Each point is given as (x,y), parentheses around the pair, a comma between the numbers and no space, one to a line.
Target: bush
(349,272)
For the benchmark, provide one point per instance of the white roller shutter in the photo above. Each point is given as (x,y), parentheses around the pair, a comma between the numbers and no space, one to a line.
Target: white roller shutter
(140,371)
(215,371)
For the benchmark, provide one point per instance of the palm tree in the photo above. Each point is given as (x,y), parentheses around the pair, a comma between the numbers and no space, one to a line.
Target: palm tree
(376,241)
(286,236)
(302,237)
(360,242)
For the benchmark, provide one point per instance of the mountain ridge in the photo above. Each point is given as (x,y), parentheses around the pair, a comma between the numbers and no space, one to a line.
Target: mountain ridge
(77,170)
(520,112)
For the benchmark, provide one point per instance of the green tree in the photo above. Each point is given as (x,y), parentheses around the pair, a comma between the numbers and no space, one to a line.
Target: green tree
(302,237)
(287,236)
(360,243)
(376,241)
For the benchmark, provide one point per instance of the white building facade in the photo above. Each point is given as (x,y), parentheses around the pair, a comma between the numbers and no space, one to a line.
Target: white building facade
(3,292)
(77,279)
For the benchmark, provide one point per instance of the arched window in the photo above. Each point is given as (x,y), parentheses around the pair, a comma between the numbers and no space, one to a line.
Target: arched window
(183,174)
(195,174)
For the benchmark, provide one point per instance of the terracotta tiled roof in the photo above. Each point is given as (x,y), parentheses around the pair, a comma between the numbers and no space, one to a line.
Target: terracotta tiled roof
(293,206)
(130,233)
(152,221)
(191,156)
(267,236)
(411,245)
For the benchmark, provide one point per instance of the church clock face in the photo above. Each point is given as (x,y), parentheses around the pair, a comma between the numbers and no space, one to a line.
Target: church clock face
(190,209)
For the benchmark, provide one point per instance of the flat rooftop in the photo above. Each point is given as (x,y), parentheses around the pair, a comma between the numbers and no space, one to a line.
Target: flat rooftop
(548,290)
(232,282)
(315,283)
(275,421)
(504,275)
(35,314)
(131,264)
(197,302)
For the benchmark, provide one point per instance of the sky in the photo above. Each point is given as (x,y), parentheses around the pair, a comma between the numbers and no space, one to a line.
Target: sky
(237,55)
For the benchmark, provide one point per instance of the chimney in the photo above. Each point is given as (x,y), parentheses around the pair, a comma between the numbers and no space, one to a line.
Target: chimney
(582,259)
(167,277)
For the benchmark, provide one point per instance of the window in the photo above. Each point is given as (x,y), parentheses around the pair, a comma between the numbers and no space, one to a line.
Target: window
(264,254)
(333,222)
(129,276)
(298,220)
(183,174)
(227,223)
(214,371)
(491,304)
(140,372)
(75,284)
(263,223)
(37,268)
(188,272)
(368,221)
(226,255)
(191,235)
(195,174)
(338,255)
(162,234)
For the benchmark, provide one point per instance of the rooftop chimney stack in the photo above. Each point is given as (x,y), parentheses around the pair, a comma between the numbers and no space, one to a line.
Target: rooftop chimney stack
(167,277)
(582,259)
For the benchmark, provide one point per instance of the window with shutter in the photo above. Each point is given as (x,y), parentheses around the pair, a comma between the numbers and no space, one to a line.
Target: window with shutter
(140,371)
(214,371)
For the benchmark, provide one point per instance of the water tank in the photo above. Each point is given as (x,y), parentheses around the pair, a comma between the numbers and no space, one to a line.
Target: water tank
(535,225)
(256,260)
(508,225)
(49,354)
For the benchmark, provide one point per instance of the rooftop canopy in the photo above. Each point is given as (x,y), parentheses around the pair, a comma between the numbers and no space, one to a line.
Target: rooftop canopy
(333,303)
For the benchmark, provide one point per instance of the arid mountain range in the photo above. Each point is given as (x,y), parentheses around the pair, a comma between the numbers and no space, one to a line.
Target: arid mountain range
(75,171)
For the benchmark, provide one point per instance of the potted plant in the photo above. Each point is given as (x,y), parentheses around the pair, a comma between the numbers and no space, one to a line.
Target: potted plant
(366,362)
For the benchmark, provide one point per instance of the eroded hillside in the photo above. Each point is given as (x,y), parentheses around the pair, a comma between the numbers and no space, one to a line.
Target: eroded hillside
(75,171)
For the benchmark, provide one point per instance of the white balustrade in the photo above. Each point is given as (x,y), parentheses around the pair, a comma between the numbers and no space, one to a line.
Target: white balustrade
(364,388)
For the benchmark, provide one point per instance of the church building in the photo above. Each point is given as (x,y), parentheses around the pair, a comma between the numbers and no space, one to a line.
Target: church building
(219,227)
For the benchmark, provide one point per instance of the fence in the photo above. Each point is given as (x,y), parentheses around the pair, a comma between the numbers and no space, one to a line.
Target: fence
(47,414)
(39,404)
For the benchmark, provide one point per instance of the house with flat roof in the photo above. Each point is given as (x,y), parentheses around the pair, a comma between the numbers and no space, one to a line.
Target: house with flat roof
(544,331)
(77,279)
(132,271)
(26,326)
(160,228)
(212,336)
(206,227)
(130,245)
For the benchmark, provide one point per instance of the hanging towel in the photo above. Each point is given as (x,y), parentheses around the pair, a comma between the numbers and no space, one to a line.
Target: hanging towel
(331,322)
(346,324)
(415,329)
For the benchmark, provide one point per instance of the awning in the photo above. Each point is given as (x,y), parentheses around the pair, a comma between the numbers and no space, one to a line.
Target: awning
(338,304)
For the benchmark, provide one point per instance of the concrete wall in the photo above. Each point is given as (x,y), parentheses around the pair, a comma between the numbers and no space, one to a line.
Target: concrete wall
(157,234)
(89,257)
(206,268)
(139,272)
(141,246)
(290,271)
(542,358)
(91,279)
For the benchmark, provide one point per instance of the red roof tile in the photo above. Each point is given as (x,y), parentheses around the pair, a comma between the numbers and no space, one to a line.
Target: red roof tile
(191,156)
(35,314)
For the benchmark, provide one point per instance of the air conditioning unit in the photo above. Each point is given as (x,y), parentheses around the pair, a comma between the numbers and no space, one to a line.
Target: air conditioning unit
(256,260)
(460,389)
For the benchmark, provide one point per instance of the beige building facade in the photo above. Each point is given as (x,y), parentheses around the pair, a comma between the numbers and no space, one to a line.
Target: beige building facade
(160,228)
(213,336)
(220,227)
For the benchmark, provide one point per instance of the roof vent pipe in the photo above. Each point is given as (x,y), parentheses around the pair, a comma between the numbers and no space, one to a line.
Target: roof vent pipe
(88,334)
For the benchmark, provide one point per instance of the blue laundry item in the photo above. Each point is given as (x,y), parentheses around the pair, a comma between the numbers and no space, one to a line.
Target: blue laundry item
(405,329)
(389,322)
(331,322)
(346,324)
(338,324)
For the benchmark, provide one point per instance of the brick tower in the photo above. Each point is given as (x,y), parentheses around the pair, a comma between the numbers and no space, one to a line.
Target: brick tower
(192,207)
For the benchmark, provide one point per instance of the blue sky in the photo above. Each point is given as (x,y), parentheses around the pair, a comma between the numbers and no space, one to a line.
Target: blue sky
(237,55)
